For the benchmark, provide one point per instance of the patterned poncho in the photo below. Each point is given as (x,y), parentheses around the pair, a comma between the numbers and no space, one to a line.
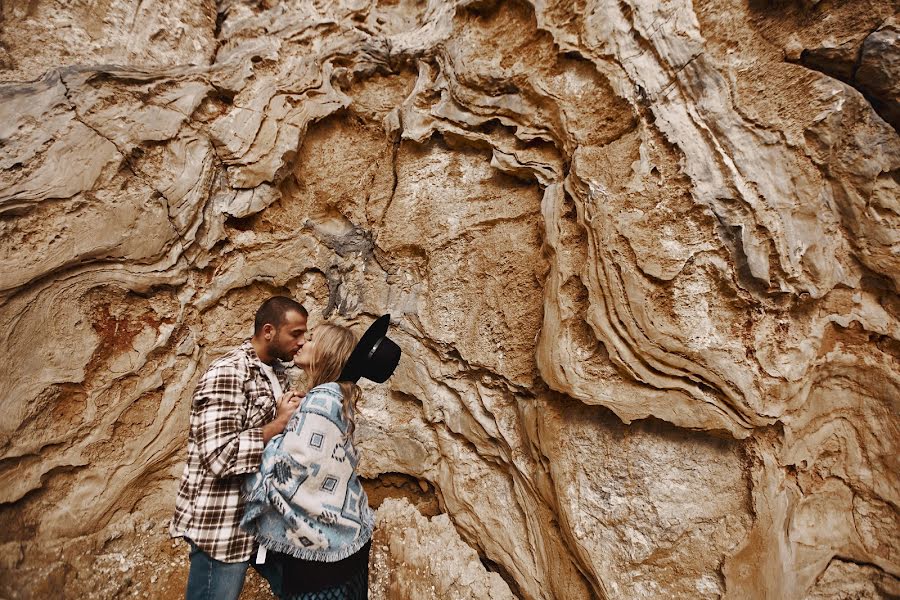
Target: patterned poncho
(307,500)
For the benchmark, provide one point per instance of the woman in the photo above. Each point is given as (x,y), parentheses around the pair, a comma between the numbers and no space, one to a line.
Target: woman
(307,503)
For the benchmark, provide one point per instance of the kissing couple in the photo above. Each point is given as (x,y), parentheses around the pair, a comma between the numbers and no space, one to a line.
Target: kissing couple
(271,478)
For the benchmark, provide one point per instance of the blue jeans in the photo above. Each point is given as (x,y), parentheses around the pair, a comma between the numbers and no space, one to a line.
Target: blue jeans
(211,579)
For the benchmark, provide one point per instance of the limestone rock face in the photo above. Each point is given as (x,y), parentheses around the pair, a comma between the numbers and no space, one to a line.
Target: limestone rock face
(418,558)
(642,259)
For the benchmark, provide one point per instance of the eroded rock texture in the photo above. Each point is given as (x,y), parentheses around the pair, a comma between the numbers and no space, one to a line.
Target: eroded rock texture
(642,258)
(417,558)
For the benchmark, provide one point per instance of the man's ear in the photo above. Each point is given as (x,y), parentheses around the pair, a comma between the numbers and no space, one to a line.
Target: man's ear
(269,332)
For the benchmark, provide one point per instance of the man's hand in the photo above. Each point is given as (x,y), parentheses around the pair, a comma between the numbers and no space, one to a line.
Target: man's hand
(284,408)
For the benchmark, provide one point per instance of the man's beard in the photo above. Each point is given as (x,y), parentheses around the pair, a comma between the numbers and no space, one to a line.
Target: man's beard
(285,357)
(279,354)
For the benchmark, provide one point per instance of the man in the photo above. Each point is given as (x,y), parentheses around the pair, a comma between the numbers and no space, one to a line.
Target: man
(234,413)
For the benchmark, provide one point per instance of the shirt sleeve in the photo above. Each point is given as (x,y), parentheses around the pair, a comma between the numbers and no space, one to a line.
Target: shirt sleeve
(217,415)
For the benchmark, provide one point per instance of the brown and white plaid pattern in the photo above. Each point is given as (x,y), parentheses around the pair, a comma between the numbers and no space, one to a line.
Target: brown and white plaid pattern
(233,400)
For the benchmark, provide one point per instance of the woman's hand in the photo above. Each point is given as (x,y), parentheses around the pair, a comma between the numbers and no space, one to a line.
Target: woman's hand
(285,406)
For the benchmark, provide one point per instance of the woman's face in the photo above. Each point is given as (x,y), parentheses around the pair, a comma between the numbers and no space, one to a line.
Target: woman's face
(303,359)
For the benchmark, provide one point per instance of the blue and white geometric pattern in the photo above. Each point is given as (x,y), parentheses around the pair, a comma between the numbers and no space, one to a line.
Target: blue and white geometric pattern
(307,500)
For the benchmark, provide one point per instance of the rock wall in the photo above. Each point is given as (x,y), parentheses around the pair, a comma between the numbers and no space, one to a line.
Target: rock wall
(642,259)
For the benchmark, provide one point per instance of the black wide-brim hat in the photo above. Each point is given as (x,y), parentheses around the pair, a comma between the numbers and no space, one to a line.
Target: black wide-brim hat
(375,356)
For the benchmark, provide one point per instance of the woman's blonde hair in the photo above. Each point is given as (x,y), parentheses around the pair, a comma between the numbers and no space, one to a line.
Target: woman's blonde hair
(333,346)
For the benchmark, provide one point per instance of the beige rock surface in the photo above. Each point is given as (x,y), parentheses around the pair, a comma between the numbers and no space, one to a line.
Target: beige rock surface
(642,258)
(414,557)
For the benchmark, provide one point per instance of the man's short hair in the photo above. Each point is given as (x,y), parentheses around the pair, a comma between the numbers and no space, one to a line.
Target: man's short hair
(273,311)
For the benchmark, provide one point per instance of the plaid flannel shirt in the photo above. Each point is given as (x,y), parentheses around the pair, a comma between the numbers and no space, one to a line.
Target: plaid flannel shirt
(233,400)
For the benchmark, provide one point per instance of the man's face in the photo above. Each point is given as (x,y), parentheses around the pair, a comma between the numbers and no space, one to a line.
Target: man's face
(289,337)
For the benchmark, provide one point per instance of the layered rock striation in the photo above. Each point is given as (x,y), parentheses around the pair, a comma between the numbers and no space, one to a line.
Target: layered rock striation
(642,259)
